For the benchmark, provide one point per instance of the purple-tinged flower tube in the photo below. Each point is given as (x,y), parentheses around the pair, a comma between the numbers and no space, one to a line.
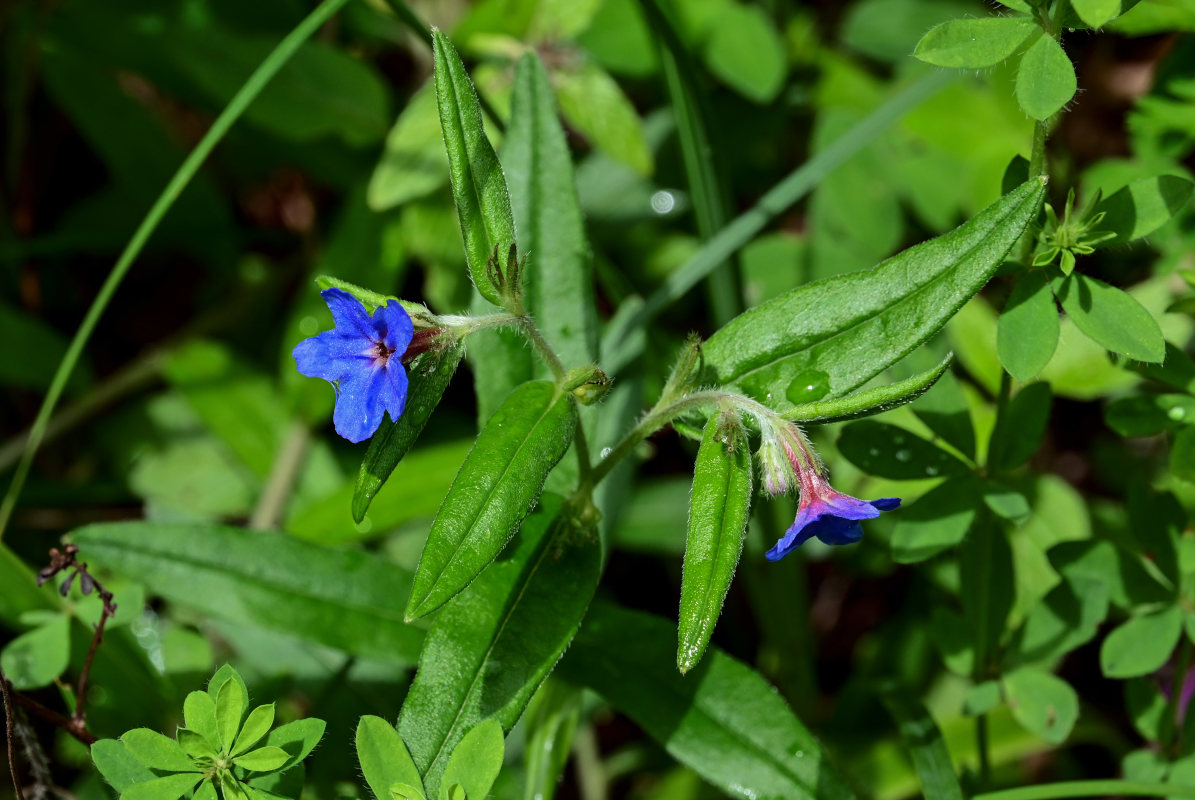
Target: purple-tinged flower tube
(362,358)
(824,512)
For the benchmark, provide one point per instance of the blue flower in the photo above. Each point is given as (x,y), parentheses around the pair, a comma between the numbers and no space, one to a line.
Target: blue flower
(829,515)
(361,357)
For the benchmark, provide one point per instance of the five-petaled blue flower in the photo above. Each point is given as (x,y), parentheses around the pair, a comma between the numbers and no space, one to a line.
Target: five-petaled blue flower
(362,358)
(827,514)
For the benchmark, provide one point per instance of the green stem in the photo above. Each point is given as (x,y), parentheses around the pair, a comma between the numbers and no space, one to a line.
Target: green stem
(283,474)
(531,331)
(981,745)
(231,113)
(667,409)
(1037,166)
(1097,788)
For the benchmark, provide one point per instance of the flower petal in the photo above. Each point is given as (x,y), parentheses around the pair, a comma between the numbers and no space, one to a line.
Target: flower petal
(359,406)
(393,326)
(797,534)
(331,355)
(393,391)
(349,314)
(886,503)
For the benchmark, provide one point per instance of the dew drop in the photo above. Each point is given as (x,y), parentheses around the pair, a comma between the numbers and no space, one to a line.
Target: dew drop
(1176,413)
(931,471)
(903,455)
(875,451)
(808,386)
(606,451)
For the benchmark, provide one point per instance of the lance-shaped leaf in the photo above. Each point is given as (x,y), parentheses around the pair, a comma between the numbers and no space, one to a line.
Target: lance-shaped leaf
(492,646)
(478,185)
(846,329)
(719,508)
(384,757)
(539,170)
(340,598)
(429,374)
(723,720)
(497,485)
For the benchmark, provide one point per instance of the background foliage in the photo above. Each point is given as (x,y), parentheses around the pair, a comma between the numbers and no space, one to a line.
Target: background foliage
(1025,619)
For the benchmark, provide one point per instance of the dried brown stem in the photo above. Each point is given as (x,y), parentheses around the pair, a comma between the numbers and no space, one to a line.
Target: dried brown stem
(10,735)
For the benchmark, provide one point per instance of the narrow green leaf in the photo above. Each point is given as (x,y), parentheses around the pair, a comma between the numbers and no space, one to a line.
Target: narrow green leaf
(974,43)
(1097,13)
(257,725)
(1019,432)
(497,485)
(1110,317)
(199,715)
(374,300)
(1141,644)
(35,658)
(430,374)
(931,758)
(1027,333)
(722,720)
(851,327)
(492,646)
(263,759)
(887,451)
(222,676)
(297,738)
(539,170)
(170,787)
(476,760)
(1043,703)
(384,757)
(231,702)
(937,521)
(869,401)
(1046,79)
(478,185)
(551,722)
(118,766)
(340,598)
(157,751)
(1143,206)
(206,791)
(707,189)
(719,509)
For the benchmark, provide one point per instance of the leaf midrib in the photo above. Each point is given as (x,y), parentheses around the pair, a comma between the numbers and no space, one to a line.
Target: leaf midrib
(489,494)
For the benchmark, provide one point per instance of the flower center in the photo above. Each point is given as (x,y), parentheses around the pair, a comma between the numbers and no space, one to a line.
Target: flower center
(382,353)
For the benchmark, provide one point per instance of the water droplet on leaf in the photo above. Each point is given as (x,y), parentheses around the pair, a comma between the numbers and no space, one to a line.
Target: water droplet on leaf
(808,386)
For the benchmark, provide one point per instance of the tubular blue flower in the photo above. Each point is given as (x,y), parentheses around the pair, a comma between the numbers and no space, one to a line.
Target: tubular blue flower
(362,358)
(824,512)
